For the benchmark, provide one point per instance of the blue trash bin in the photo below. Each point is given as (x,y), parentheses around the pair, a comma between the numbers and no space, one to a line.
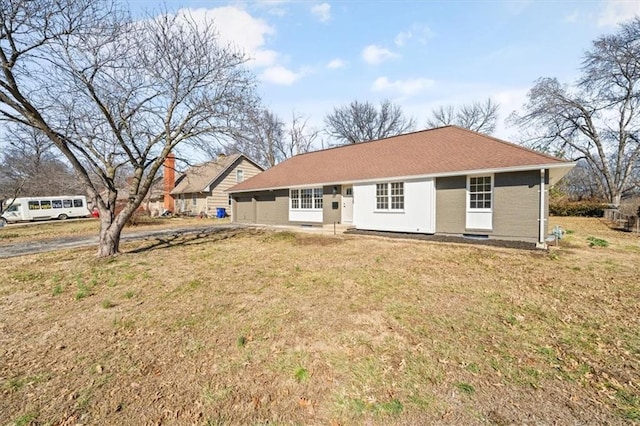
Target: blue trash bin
(221,212)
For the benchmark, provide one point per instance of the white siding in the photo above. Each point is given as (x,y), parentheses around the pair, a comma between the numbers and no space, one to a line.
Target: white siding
(299,215)
(419,212)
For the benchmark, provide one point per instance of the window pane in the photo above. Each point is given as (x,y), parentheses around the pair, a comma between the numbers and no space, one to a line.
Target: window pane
(382,196)
(480,192)
(45,204)
(306,198)
(34,205)
(317,198)
(66,204)
(397,195)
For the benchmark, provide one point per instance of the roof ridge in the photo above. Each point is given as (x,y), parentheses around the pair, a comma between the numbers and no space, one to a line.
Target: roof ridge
(351,144)
(512,144)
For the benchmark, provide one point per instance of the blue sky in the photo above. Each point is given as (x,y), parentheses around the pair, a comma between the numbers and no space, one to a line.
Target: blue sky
(311,56)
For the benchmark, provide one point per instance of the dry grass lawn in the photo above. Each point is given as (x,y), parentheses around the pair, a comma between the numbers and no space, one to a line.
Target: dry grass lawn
(257,327)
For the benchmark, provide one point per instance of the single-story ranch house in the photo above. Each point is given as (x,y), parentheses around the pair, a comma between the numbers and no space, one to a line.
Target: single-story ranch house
(447,180)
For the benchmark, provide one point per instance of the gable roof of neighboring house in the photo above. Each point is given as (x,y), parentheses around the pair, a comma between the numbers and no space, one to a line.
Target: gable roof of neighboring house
(199,178)
(443,151)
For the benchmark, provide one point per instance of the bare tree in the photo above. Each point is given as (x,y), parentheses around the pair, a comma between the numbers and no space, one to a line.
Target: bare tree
(477,116)
(301,137)
(260,138)
(362,121)
(30,167)
(268,140)
(113,94)
(598,119)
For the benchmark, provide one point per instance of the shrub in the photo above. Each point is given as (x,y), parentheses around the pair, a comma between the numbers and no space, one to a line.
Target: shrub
(576,208)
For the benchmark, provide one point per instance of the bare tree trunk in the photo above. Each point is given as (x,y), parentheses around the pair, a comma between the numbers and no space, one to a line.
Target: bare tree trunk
(109,244)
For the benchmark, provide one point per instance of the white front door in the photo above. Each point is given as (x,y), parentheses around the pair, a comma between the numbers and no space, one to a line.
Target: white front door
(347,204)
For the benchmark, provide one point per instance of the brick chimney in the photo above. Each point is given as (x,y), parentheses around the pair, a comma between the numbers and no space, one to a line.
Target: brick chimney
(169,173)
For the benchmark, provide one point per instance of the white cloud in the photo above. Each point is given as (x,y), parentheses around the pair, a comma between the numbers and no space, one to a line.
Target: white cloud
(402,38)
(322,11)
(336,63)
(239,28)
(408,87)
(373,54)
(617,11)
(280,75)
(422,33)
(573,18)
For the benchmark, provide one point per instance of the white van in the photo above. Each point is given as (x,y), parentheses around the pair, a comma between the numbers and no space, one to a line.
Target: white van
(45,208)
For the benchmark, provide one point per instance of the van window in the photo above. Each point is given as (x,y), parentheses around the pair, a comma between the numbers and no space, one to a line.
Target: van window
(57,204)
(77,203)
(45,204)
(34,205)
(13,208)
(67,204)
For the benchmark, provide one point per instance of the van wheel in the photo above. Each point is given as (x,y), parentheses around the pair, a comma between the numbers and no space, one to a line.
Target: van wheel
(3,221)
(63,217)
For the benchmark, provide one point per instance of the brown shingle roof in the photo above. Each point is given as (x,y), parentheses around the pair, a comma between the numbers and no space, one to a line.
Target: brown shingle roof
(439,151)
(198,178)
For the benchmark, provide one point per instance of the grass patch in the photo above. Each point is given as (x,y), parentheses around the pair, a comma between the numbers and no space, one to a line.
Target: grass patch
(83,291)
(107,304)
(25,419)
(301,374)
(286,328)
(241,341)
(465,388)
(597,242)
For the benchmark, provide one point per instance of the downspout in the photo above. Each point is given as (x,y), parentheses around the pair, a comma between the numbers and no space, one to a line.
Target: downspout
(541,238)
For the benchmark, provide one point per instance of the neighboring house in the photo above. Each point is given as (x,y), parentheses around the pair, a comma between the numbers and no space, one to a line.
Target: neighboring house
(201,189)
(447,180)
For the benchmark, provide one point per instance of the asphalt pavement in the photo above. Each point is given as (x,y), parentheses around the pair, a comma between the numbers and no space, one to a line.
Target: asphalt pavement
(42,246)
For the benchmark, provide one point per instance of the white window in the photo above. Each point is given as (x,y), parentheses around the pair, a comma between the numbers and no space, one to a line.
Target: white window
(317,198)
(397,196)
(382,196)
(390,195)
(306,198)
(480,192)
(239,175)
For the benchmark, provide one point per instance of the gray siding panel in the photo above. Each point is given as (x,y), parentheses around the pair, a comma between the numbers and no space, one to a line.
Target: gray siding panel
(516,205)
(451,204)
(329,214)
